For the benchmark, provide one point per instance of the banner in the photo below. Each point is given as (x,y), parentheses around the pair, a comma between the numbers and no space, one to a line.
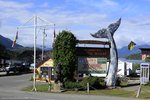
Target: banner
(131,45)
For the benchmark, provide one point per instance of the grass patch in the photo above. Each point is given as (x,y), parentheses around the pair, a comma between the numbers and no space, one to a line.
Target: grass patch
(145,91)
(31,79)
(146,87)
(40,88)
(144,95)
(122,84)
(109,92)
(114,92)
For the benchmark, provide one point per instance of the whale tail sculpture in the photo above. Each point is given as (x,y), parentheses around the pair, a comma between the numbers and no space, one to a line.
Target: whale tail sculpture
(113,66)
(102,33)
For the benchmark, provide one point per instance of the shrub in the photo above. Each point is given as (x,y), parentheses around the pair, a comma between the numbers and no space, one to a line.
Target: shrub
(135,66)
(148,84)
(94,82)
(72,85)
(147,59)
(122,81)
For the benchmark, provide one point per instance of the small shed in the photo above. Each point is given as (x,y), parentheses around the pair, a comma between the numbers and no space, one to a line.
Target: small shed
(45,70)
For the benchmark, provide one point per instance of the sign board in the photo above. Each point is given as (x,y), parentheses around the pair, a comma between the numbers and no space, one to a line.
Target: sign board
(144,73)
(93,52)
(90,65)
(46,72)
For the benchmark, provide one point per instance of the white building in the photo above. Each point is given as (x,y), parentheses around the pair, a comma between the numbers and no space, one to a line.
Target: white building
(124,68)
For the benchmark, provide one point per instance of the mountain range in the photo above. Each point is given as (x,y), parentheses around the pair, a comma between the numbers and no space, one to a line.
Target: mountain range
(122,52)
(8,43)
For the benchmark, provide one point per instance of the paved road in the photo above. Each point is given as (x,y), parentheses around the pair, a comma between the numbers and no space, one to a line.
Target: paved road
(10,89)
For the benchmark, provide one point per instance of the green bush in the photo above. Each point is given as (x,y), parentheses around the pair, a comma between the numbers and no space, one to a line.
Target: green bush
(147,59)
(148,84)
(94,82)
(135,66)
(72,85)
(122,81)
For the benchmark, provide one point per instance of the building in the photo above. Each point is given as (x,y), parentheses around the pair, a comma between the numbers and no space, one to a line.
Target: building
(145,52)
(124,67)
(92,60)
(45,70)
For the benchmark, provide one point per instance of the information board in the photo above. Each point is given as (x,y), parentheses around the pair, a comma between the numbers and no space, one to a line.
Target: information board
(92,65)
(93,52)
(44,72)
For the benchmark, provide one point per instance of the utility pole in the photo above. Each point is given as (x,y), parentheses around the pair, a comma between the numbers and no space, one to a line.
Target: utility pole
(43,46)
(35,18)
(35,30)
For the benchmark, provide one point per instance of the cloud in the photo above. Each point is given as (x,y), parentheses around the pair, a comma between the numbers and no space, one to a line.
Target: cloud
(14,5)
(133,30)
(12,10)
(95,3)
(145,24)
(67,18)
(85,18)
(110,3)
(44,5)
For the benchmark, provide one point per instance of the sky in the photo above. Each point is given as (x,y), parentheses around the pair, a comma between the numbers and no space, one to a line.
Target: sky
(81,17)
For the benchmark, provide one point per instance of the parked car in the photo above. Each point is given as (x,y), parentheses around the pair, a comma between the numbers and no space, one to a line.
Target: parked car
(32,67)
(11,68)
(17,68)
(137,71)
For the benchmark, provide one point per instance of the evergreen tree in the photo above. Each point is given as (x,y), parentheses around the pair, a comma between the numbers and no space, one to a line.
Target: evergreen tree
(147,59)
(2,50)
(64,52)
(134,56)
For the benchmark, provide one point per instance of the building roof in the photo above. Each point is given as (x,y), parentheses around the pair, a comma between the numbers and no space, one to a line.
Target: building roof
(132,61)
(93,42)
(42,61)
(144,48)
